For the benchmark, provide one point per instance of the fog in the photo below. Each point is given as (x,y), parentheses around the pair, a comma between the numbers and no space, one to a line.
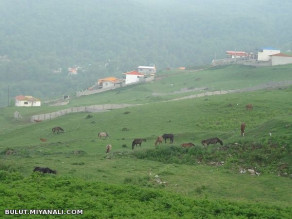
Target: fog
(107,38)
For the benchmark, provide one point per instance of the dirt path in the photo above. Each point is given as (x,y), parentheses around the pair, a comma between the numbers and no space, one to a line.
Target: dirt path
(269,85)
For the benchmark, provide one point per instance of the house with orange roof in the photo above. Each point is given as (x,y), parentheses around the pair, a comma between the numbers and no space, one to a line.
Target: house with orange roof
(27,101)
(109,82)
(134,77)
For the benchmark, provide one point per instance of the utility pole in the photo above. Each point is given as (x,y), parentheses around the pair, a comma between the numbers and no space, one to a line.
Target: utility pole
(8,97)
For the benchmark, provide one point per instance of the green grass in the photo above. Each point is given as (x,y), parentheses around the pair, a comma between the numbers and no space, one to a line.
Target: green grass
(80,155)
(99,200)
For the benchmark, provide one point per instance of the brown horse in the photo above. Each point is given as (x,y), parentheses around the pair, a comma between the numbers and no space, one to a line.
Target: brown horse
(43,139)
(187,145)
(249,106)
(166,136)
(158,140)
(211,141)
(103,134)
(137,141)
(108,148)
(242,128)
(57,130)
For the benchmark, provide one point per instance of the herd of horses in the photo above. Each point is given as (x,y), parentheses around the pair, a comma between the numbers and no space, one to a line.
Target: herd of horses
(138,141)
(159,140)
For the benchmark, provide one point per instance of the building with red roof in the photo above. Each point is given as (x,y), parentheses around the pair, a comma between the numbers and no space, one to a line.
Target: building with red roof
(236,54)
(27,101)
(133,77)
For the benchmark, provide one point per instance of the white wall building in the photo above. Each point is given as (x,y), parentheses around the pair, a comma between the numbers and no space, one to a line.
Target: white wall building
(147,70)
(281,59)
(109,82)
(265,54)
(236,54)
(133,77)
(27,101)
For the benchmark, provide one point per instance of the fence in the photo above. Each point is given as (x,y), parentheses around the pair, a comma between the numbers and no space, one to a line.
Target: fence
(89,92)
(89,109)
(240,61)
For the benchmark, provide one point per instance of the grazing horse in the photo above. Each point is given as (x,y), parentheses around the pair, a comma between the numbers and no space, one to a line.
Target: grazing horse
(137,141)
(166,136)
(57,130)
(43,139)
(103,134)
(249,106)
(211,141)
(108,148)
(187,145)
(44,170)
(242,128)
(158,140)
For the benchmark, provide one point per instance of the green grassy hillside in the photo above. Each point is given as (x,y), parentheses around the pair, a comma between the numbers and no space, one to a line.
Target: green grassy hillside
(207,175)
(98,200)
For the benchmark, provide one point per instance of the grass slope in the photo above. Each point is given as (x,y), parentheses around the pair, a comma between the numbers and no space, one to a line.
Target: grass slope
(98,200)
(78,153)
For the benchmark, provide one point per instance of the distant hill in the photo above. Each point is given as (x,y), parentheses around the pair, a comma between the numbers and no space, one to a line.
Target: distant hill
(110,37)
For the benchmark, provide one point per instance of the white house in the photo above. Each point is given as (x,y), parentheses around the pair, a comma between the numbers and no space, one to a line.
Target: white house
(27,101)
(134,76)
(281,59)
(109,82)
(147,70)
(265,54)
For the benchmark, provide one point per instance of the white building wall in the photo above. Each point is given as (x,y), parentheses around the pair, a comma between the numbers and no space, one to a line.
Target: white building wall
(107,84)
(265,54)
(281,60)
(27,103)
(131,79)
(146,69)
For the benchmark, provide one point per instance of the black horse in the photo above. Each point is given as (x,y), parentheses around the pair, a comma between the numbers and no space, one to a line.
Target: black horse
(137,141)
(57,130)
(44,170)
(166,136)
(211,141)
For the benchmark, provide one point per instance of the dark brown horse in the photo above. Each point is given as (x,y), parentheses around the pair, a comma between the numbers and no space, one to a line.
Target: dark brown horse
(242,128)
(211,141)
(187,145)
(249,106)
(166,136)
(44,170)
(57,130)
(137,141)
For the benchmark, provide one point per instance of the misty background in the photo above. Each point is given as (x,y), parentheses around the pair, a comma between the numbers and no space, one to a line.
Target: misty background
(40,40)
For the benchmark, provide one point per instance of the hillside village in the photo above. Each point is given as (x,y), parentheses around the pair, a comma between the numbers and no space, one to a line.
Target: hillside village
(264,57)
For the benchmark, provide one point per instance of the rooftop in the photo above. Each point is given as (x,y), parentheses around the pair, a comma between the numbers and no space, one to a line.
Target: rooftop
(26,98)
(134,73)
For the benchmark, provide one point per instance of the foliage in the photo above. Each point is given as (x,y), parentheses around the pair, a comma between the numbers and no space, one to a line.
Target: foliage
(100,200)
(268,158)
